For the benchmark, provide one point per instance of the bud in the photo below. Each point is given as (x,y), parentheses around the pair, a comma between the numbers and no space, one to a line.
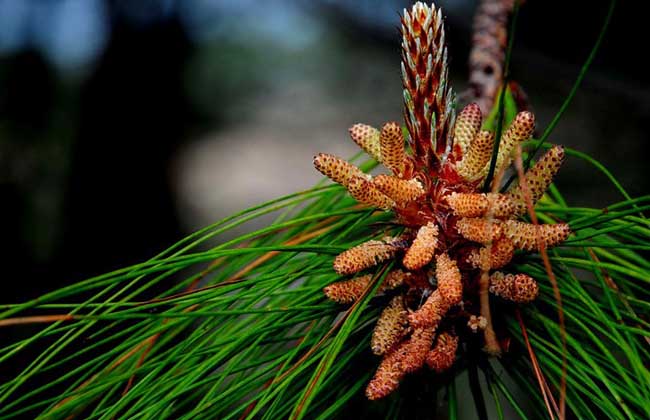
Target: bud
(520,130)
(428,99)
(477,204)
(365,192)
(430,313)
(392,147)
(413,352)
(450,285)
(518,288)
(467,126)
(496,256)
(538,178)
(400,190)
(479,230)
(347,291)
(337,169)
(387,377)
(367,138)
(443,354)
(423,247)
(365,255)
(391,326)
(478,155)
(525,235)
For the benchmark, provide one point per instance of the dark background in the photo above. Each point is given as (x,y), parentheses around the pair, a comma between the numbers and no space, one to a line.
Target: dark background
(125,125)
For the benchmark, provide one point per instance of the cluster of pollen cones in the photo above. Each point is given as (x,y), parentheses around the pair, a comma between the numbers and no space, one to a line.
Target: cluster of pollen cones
(455,236)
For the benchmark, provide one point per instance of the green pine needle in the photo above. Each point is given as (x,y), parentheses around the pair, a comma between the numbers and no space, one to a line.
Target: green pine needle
(241,329)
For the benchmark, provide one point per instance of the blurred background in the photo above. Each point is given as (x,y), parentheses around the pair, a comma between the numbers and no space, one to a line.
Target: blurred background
(125,125)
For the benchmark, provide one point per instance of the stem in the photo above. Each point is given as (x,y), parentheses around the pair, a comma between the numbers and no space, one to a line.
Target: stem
(491,343)
(551,276)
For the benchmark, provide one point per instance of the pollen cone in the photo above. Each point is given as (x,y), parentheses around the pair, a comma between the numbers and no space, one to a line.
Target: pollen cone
(365,255)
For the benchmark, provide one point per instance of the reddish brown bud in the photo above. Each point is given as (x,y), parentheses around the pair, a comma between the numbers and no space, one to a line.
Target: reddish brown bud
(423,247)
(477,156)
(367,138)
(391,326)
(477,204)
(443,354)
(430,313)
(337,169)
(400,190)
(518,288)
(526,236)
(468,123)
(387,377)
(347,291)
(392,147)
(479,230)
(428,99)
(520,130)
(408,356)
(365,192)
(498,255)
(448,276)
(413,352)
(363,256)
(538,178)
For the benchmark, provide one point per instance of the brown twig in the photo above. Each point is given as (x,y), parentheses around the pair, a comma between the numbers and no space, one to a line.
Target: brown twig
(519,165)
(151,341)
(492,346)
(541,380)
(36,319)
